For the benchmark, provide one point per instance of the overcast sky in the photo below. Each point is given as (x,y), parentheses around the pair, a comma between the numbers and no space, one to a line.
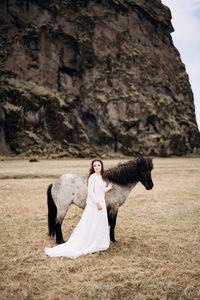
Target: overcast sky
(186,38)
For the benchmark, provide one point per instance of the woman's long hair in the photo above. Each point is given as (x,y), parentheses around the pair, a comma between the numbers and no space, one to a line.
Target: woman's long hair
(91,171)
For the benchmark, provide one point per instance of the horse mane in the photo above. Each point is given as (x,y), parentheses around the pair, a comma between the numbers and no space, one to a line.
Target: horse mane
(149,163)
(126,173)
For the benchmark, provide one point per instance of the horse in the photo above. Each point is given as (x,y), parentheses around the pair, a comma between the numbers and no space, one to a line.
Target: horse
(72,189)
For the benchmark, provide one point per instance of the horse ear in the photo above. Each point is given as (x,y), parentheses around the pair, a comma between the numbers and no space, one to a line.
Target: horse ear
(141,161)
(145,162)
(150,163)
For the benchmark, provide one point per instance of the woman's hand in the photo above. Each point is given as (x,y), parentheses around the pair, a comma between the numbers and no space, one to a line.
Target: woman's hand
(110,185)
(99,206)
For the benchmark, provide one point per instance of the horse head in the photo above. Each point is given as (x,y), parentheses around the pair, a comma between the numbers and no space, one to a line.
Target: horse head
(145,166)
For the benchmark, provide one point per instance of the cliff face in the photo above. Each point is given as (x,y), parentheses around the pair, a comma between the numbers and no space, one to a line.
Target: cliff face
(82,78)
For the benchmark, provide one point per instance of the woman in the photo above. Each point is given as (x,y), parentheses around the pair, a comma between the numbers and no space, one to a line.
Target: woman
(92,232)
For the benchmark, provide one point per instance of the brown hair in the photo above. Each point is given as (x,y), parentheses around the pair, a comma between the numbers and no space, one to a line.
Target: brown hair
(91,171)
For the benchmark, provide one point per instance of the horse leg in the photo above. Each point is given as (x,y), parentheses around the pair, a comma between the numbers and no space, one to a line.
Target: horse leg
(112,217)
(59,236)
(56,214)
(61,213)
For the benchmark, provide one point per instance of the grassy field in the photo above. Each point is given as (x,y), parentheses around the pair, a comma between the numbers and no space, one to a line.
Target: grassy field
(156,256)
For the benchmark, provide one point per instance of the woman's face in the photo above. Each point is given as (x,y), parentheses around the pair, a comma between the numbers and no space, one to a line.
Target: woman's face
(97,167)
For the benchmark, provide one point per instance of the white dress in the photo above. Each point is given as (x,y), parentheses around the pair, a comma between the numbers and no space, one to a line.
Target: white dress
(92,232)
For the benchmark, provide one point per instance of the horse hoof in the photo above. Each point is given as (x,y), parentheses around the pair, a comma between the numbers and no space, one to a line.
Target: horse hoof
(60,242)
(113,240)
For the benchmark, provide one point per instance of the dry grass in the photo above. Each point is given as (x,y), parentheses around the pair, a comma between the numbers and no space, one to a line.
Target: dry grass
(157,254)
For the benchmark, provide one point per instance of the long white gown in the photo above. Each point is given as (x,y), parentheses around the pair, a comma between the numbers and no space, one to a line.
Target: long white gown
(92,232)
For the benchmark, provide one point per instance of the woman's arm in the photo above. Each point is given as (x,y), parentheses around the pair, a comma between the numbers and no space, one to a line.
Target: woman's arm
(109,187)
(92,191)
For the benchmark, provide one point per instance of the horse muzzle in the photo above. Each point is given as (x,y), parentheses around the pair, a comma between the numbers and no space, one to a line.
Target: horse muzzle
(149,186)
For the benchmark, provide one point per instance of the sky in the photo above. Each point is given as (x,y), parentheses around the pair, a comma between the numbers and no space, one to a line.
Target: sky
(186,38)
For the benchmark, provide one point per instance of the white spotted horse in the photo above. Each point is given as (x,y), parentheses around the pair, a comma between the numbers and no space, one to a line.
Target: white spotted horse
(72,189)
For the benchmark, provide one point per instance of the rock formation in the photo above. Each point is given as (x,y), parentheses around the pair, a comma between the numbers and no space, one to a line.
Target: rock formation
(84,77)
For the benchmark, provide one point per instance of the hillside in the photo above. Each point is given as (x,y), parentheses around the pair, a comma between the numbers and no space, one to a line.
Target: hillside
(86,78)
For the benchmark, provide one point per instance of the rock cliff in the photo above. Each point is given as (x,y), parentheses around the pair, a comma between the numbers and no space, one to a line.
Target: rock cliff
(83,77)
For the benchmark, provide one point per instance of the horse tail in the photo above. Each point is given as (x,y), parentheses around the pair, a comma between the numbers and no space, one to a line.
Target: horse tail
(52,212)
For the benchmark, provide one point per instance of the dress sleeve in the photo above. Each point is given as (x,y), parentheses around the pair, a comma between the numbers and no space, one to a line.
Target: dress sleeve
(91,189)
(107,189)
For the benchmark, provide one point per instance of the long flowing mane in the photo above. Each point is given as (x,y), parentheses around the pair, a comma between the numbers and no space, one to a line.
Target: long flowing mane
(125,173)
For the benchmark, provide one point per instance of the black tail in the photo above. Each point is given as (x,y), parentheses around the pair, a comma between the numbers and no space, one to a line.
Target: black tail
(52,212)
